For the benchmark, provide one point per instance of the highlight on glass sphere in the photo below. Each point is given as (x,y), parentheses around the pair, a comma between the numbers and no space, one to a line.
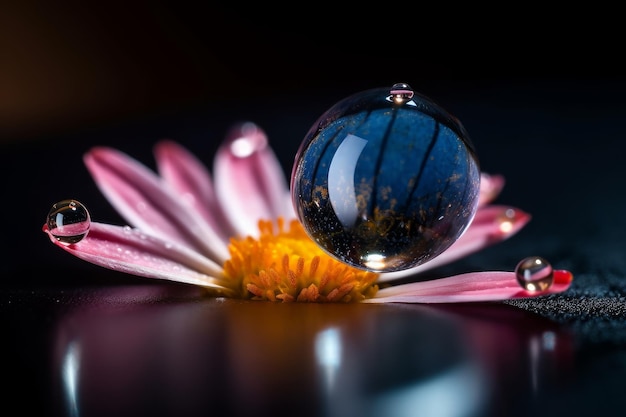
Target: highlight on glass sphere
(385,180)
(69,221)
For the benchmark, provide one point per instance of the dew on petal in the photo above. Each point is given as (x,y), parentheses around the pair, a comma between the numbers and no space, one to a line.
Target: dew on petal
(534,274)
(507,220)
(246,139)
(68,221)
(385,180)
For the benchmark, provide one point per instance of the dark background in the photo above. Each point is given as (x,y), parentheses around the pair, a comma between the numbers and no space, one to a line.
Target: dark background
(534,90)
(540,93)
(75,65)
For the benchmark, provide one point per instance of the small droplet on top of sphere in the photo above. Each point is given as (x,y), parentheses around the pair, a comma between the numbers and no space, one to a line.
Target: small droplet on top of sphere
(385,180)
(400,93)
(534,274)
(68,221)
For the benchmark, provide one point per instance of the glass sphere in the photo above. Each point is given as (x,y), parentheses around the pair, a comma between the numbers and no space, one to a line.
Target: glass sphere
(385,180)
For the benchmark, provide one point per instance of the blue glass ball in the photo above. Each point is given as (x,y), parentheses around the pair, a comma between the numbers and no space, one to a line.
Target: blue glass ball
(385,180)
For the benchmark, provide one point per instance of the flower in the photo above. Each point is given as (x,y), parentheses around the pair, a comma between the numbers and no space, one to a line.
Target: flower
(235,233)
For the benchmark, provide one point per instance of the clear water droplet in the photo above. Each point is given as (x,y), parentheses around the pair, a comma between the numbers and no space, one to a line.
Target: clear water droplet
(534,274)
(68,221)
(401,93)
(384,187)
(245,139)
(507,221)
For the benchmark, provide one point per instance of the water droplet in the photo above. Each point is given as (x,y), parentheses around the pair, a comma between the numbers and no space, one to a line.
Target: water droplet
(245,139)
(401,93)
(385,187)
(507,221)
(68,221)
(534,274)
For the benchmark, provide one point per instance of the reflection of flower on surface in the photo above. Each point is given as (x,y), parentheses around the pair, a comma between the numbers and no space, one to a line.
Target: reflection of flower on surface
(236,234)
(134,349)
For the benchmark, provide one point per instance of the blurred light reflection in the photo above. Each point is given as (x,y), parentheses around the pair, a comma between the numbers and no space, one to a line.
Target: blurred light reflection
(458,392)
(71,365)
(328,351)
(149,351)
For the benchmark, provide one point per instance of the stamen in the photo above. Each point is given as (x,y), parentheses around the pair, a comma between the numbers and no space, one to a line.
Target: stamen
(314,264)
(287,265)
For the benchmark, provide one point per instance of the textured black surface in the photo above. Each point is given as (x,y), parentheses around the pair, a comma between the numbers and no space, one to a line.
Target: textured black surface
(558,143)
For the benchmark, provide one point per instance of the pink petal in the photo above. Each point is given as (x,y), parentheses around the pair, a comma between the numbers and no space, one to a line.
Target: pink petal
(249,179)
(469,287)
(190,179)
(490,188)
(491,225)
(147,203)
(130,251)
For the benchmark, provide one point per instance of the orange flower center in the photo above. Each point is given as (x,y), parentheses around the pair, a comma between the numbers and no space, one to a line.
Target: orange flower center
(286,265)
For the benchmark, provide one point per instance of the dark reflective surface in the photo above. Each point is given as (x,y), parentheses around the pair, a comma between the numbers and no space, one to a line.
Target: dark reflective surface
(167,350)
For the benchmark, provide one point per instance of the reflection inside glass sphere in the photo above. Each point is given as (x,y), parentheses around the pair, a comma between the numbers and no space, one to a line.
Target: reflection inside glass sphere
(385,180)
